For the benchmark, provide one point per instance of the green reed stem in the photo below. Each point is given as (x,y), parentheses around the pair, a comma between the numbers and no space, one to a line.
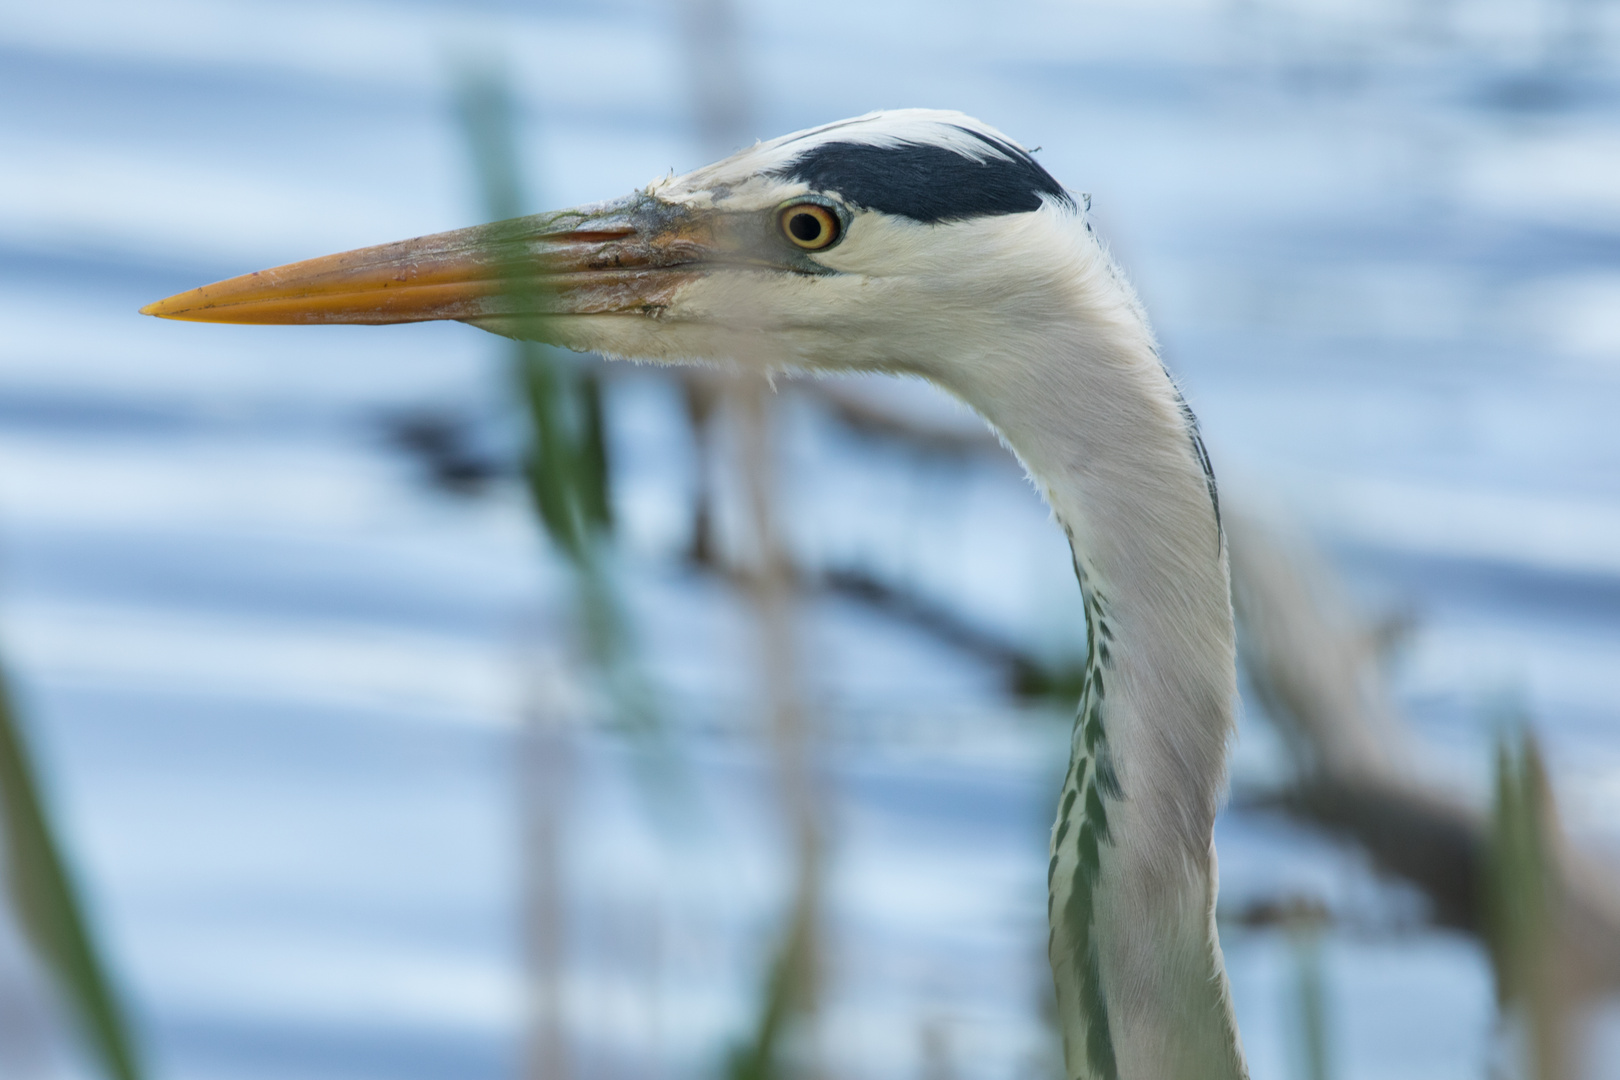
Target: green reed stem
(50,910)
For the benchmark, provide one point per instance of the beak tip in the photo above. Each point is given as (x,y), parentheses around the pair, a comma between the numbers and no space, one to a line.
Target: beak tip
(163,309)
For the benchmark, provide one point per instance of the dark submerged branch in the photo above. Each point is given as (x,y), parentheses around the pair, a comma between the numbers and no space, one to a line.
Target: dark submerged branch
(1315,670)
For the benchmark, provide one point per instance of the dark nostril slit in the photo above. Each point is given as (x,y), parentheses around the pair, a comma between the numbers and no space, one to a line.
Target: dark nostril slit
(804,227)
(595,236)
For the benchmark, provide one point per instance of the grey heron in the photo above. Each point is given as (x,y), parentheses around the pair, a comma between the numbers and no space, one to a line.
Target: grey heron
(927,243)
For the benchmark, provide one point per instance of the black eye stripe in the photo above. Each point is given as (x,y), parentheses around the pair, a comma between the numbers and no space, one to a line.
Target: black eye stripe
(927,182)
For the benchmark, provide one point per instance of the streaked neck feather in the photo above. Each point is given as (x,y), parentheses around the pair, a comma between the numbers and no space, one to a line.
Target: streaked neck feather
(1088,407)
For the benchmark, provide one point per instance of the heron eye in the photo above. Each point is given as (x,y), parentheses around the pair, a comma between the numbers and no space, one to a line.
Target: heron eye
(810,226)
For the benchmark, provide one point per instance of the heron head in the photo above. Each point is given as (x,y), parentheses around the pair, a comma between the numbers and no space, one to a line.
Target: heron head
(850,246)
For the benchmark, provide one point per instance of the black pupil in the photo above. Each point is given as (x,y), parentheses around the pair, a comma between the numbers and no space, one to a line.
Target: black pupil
(804,227)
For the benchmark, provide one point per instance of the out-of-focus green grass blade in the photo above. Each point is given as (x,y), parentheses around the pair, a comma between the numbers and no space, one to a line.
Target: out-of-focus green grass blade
(1521,906)
(484,106)
(1311,995)
(567,469)
(1516,896)
(593,459)
(567,472)
(787,992)
(49,909)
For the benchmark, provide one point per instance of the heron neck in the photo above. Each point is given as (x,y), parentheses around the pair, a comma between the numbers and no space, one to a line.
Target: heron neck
(1140,979)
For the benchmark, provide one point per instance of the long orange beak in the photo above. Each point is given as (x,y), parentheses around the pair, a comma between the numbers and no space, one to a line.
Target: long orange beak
(626,256)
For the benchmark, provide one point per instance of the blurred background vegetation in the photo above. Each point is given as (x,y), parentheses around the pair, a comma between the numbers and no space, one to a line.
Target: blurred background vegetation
(412,703)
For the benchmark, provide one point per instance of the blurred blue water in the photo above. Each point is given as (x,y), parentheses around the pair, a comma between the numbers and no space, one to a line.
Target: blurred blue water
(276,679)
